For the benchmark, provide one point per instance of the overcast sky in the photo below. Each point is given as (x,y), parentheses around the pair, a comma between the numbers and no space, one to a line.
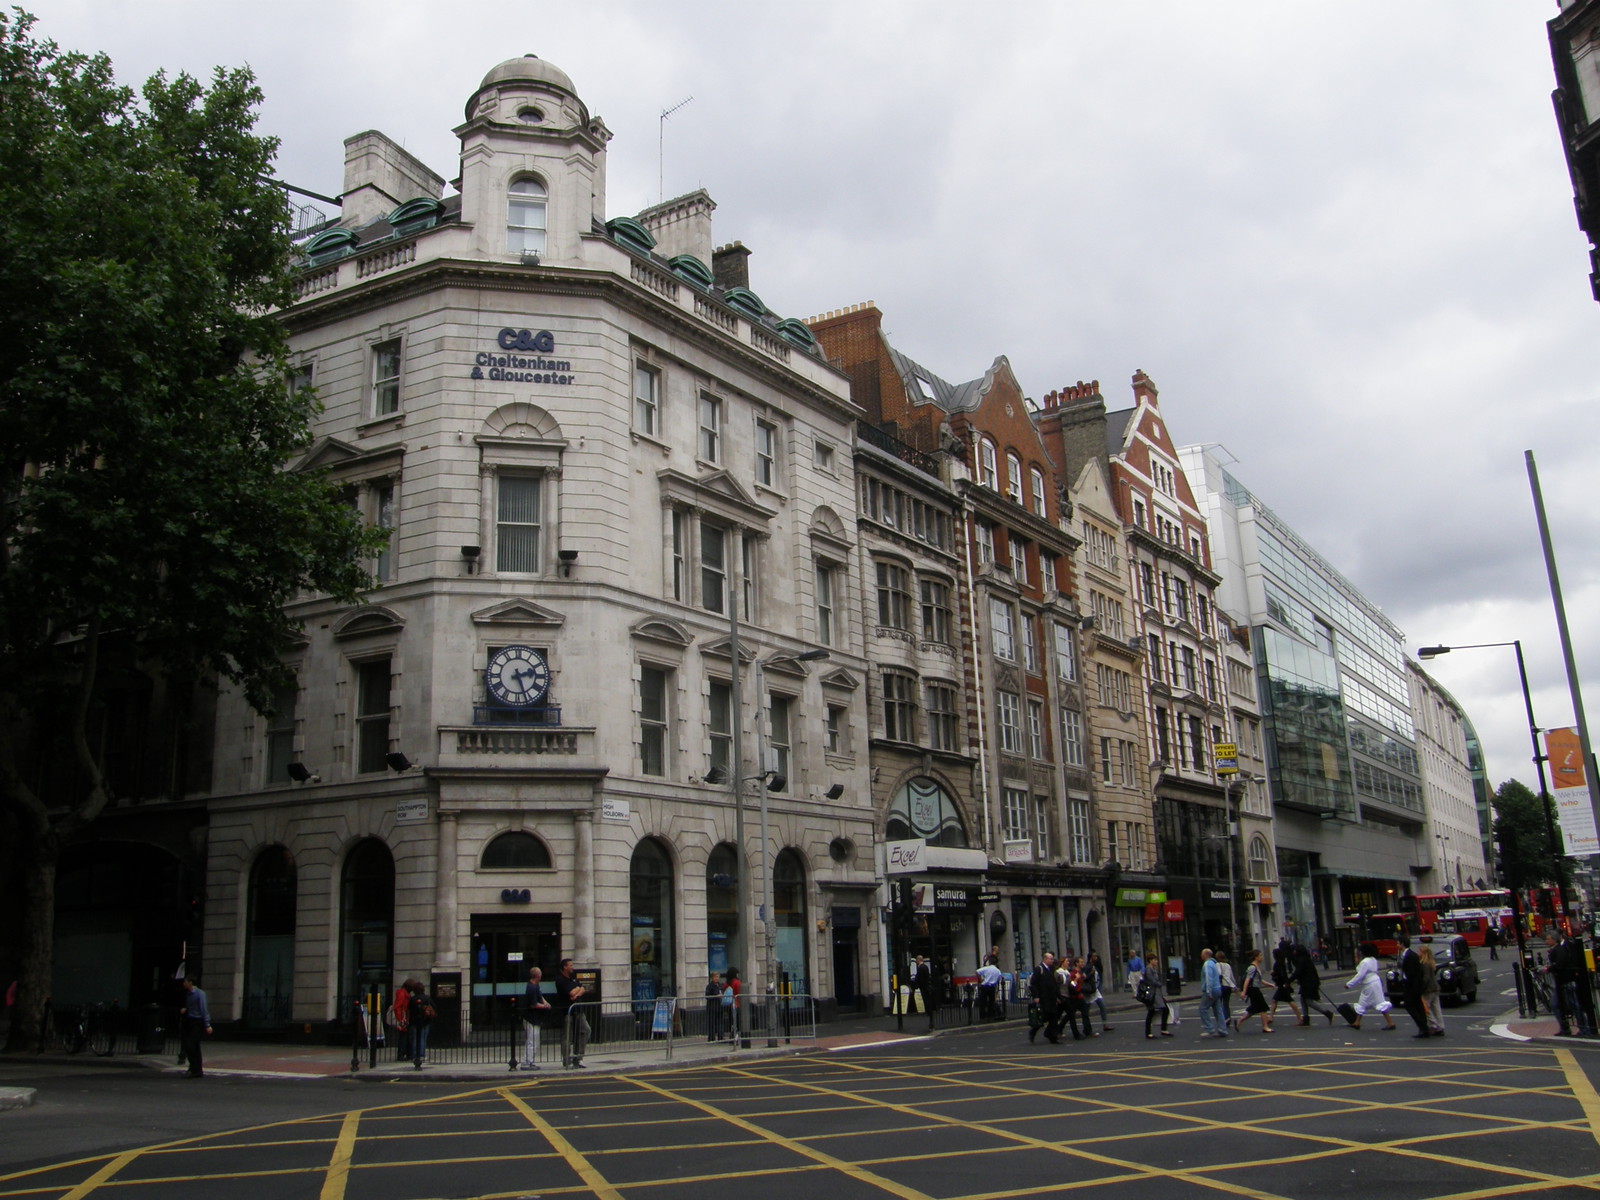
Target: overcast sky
(1338,236)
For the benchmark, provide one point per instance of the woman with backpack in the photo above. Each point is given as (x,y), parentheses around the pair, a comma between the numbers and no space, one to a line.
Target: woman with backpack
(1152,995)
(420,1011)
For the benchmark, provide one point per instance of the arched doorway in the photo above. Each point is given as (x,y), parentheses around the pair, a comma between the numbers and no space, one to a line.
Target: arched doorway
(269,940)
(789,912)
(652,932)
(724,948)
(366,924)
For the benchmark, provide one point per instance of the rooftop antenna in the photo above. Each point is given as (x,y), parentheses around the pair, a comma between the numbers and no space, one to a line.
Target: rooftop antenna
(661,144)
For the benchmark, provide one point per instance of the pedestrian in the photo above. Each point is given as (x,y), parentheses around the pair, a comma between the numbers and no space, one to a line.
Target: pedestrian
(1229,985)
(1210,996)
(1153,996)
(1411,982)
(989,980)
(1135,971)
(1430,992)
(569,994)
(1371,997)
(195,1023)
(535,1009)
(1254,994)
(1309,982)
(400,1018)
(1044,1009)
(1095,987)
(1568,974)
(1283,982)
(1491,937)
(421,1012)
(922,985)
(1075,998)
(714,1006)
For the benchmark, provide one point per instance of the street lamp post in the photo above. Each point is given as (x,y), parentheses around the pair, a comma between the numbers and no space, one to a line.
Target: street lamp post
(1431,652)
(772,780)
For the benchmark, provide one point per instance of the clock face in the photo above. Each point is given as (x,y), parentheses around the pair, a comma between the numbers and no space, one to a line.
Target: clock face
(518,676)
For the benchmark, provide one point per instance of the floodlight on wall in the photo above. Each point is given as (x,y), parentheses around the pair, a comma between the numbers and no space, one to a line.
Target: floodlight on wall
(530,258)
(567,557)
(398,761)
(470,555)
(714,776)
(301,774)
(776,780)
(835,791)
(1086,623)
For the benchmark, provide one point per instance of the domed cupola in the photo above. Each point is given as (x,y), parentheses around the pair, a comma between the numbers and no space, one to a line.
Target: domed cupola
(516,75)
(532,164)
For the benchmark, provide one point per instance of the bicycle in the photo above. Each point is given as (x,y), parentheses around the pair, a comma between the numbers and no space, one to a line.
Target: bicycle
(94,1029)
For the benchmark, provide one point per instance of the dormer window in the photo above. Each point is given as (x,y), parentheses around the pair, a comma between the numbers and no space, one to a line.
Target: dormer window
(525,217)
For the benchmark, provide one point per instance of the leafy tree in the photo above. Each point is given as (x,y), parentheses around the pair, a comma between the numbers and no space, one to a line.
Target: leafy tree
(145,421)
(1522,833)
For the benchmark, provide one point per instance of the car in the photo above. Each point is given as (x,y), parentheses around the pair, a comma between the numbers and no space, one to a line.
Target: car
(1457,970)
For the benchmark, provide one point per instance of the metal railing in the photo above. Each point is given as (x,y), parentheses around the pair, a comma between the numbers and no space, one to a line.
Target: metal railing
(655,1026)
(106,1030)
(962,1004)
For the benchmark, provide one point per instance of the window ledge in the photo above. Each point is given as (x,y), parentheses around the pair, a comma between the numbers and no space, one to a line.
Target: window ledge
(381,424)
(638,435)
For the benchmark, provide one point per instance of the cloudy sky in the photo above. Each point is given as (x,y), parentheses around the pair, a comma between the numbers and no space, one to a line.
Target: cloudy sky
(1339,236)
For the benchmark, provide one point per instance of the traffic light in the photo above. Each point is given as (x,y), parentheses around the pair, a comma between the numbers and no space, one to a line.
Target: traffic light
(903,909)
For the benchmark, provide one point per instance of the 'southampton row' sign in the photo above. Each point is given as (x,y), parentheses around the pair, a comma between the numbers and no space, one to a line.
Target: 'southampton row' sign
(515,368)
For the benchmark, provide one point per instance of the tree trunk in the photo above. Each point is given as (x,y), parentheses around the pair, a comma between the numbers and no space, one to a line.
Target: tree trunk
(37,929)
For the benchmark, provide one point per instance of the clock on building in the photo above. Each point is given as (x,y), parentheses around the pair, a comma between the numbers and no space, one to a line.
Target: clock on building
(518,676)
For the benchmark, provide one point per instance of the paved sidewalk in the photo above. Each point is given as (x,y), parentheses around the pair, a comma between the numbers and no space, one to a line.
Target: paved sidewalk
(276,1060)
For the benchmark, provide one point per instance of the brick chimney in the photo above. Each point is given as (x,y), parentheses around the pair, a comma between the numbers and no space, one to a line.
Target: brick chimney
(730,266)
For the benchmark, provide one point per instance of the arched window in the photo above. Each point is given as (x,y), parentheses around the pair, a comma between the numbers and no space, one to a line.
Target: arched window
(516,850)
(789,911)
(988,467)
(923,809)
(269,948)
(1013,477)
(651,930)
(366,924)
(525,217)
(1260,867)
(723,947)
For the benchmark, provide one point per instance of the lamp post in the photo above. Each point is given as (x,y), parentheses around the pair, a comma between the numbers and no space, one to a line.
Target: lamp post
(773,781)
(1430,652)
(1229,836)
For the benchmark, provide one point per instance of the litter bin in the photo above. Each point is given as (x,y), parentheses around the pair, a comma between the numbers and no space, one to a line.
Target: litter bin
(152,1038)
(1174,982)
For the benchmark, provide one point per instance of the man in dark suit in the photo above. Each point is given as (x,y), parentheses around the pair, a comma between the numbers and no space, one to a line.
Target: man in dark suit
(1411,990)
(922,984)
(1046,990)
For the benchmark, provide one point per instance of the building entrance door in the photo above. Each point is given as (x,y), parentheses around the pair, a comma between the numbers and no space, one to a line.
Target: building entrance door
(503,948)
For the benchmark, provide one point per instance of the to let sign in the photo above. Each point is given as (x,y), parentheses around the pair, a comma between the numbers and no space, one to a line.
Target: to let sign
(1226,756)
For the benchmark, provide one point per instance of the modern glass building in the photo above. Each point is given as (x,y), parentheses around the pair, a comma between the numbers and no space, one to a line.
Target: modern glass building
(1341,748)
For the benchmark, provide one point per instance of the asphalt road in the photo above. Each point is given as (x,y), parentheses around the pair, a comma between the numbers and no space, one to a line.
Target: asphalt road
(1315,1112)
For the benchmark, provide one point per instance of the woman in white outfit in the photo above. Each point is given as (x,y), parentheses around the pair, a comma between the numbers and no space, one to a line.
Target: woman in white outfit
(1370,980)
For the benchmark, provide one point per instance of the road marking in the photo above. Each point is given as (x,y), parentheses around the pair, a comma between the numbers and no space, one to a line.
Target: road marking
(1581,1088)
(1502,1030)
(843,1166)
(100,1176)
(344,1148)
(586,1170)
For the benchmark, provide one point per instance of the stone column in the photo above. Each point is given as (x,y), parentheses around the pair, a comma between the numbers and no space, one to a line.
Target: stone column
(583,887)
(446,947)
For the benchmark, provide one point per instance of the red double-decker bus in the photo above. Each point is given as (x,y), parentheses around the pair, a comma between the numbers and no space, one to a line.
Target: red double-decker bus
(1429,907)
(1389,932)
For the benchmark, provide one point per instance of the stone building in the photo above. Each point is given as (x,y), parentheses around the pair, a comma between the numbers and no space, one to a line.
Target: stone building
(614,611)
(1448,786)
